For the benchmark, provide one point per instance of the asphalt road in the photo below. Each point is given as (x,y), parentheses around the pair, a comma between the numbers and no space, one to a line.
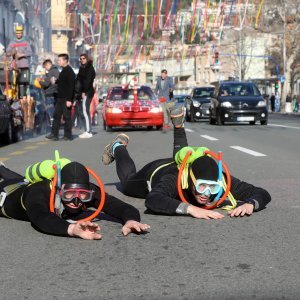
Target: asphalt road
(253,257)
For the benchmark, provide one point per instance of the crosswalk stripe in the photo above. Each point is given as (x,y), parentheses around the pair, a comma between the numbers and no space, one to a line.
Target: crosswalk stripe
(3,159)
(209,137)
(248,151)
(284,126)
(17,152)
(189,130)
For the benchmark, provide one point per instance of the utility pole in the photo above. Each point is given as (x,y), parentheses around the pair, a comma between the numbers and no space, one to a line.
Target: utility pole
(240,75)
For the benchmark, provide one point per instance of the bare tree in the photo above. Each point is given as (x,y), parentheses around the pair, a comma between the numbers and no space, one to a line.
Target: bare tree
(285,14)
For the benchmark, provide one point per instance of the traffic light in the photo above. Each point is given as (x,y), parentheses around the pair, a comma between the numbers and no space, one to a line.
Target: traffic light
(276,84)
(216,57)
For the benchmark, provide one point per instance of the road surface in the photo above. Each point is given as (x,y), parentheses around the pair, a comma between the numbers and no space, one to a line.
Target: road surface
(253,257)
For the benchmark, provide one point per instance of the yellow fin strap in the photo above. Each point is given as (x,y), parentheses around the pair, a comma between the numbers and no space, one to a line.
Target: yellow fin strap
(184,177)
(230,197)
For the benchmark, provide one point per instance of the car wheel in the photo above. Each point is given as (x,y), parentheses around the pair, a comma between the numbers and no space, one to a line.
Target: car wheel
(8,134)
(187,116)
(17,133)
(212,121)
(252,123)
(265,122)
(192,119)
(159,127)
(149,127)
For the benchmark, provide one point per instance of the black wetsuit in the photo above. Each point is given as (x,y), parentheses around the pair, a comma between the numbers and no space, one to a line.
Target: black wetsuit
(163,197)
(31,203)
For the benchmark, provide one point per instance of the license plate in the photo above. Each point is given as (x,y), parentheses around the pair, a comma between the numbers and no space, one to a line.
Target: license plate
(245,119)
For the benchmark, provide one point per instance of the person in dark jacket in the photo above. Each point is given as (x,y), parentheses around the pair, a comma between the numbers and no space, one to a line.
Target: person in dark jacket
(157,181)
(272,99)
(21,201)
(49,88)
(65,98)
(86,76)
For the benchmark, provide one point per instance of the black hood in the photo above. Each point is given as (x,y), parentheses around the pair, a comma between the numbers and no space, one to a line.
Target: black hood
(205,168)
(75,173)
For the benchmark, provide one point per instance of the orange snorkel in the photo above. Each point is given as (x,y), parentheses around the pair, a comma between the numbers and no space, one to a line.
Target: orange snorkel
(216,157)
(102,193)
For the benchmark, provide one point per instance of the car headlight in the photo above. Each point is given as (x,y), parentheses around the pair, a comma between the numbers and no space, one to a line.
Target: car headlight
(156,110)
(226,104)
(261,104)
(114,110)
(196,104)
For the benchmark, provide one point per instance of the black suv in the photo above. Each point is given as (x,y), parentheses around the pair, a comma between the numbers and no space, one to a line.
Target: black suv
(198,103)
(237,101)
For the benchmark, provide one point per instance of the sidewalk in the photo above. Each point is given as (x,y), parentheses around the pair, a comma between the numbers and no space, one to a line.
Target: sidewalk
(293,114)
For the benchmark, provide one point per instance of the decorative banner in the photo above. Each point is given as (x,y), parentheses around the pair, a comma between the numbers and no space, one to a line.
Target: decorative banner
(117,27)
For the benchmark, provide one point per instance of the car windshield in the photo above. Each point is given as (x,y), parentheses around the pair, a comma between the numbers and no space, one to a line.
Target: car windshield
(119,94)
(238,89)
(179,99)
(203,92)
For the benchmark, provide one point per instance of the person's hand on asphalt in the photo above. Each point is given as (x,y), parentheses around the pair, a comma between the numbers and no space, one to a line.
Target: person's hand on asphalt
(201,213)
(240,211)
(85,230)
(134,226)
(69,104)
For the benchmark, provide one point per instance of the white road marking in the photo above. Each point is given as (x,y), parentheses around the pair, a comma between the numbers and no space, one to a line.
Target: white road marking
(248,151)
(189,130)
(284,126)
(209,137)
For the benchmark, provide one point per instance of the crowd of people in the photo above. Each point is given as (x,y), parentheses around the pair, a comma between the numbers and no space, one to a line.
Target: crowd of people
(71,95)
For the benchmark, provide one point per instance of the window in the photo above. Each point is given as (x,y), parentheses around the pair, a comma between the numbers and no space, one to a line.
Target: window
(203,92)
(238,89)
(119,94)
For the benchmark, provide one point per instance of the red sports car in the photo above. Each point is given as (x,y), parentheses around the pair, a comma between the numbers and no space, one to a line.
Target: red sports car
(120,109)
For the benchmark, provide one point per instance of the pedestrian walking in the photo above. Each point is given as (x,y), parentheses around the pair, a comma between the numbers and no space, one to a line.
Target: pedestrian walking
(164,87)
(294,104)
(86,76)
(272,99)
(65,98)
(288,103)
(49,88)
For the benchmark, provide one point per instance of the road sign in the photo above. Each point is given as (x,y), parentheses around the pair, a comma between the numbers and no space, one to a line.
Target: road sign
(282,78)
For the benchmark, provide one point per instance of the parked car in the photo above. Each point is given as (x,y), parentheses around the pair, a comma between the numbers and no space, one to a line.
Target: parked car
(238,101)
(119,109)
(198,103)
(11,126)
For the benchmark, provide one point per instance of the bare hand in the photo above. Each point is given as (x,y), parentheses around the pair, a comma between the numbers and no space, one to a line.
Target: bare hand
(134,226)
(68,103)
(83,95)
(53,80)
(85,230)
(19,55)
(245,209)
(201,213)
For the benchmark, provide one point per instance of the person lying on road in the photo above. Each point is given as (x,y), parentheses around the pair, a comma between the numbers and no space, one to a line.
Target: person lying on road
(30,202)
(157,181)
